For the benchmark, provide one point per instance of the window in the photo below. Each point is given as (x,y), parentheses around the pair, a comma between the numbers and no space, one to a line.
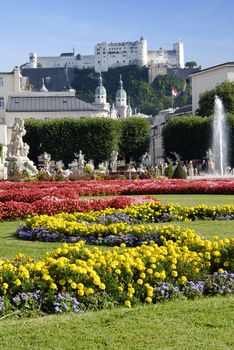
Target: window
(1,81)
(1,102)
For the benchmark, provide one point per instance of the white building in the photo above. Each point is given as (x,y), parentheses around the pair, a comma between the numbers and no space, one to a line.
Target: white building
(45,105)
(207,79)
(112,55)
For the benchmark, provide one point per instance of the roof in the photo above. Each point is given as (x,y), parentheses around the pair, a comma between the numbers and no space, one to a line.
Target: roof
(213,67)
(47,104)
(183,110)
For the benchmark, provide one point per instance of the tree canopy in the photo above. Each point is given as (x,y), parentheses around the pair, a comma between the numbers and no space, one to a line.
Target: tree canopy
(225,91)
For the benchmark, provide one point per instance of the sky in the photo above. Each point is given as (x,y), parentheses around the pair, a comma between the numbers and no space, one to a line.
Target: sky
(50,27)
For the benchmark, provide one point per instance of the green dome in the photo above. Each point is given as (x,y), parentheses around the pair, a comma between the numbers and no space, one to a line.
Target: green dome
(121,93)
(100,90)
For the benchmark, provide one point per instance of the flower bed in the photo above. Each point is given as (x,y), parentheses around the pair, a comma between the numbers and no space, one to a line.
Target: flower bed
(12,210)
(75,278)
(73,189)
(115,226)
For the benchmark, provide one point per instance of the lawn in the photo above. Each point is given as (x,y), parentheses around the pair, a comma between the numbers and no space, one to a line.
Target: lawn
(198,324)
(181,324)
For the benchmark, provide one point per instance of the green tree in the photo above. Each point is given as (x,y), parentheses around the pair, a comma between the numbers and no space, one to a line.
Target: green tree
(134,138)
(225,91)
(191,64)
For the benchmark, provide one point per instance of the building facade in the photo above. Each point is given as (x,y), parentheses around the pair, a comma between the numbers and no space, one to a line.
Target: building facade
(207,79)
(112,55)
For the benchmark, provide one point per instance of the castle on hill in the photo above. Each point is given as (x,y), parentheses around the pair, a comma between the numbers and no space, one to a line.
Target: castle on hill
(113,55)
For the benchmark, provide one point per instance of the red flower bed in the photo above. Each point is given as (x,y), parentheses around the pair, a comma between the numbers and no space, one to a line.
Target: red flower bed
(28,198)
(12,210)
(31,191)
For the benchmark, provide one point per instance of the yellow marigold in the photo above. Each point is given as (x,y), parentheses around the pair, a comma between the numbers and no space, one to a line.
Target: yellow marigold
(174,273)
(226,263)
(53,286)
(5,286)
(140,281)
(73,285)
(183,279)
(216,253)
(127,303)
(102,286)
(220,270)
(120,288)
(17,282)
(46,277)
(80,292)
(148,300)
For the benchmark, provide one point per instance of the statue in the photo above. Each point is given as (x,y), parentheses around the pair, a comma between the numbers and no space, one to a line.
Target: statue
(17,151)
(210,154)
(144,160)
(113,162)
(81,161)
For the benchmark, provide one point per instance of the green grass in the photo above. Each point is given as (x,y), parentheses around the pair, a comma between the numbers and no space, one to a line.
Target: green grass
(196,199)
(200,324)
(10,245)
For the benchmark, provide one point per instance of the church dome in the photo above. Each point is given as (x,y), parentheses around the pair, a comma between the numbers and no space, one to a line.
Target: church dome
(121,93)
(100,90)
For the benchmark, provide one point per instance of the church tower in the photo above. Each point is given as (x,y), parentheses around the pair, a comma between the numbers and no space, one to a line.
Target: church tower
(121,100)
(100,96)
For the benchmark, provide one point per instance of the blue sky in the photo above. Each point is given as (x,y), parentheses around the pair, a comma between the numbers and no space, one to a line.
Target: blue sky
(49,27)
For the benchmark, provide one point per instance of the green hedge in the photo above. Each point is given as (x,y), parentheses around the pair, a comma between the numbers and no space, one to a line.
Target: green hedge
(191,136)
(96,137)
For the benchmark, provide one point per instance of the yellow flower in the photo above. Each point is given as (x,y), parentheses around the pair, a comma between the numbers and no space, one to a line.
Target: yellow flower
(5,286)
(226,263)
(174,273)
(17,282)
(46,277)
(62,282)
(127,303)
(102,286)
(73,285)
(183,279)
(80,292)
(140,281)
(220,270)
(148,300)
(53,286)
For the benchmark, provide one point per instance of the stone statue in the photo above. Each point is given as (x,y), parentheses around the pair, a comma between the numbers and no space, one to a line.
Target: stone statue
(81,161)
(17,151)
(210,154)
(113,162)
(44,160)
(144,160)
(17,147)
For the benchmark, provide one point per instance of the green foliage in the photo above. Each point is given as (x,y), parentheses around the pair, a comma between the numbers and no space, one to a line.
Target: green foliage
(148,99)
(190,136)
(179,172)
(191,64)
(225,91)
(135,138)
(183,135)
(164,83)
(168,172)
(96,137)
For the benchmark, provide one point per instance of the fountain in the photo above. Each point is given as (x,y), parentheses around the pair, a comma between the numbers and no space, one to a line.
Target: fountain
(220,138)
